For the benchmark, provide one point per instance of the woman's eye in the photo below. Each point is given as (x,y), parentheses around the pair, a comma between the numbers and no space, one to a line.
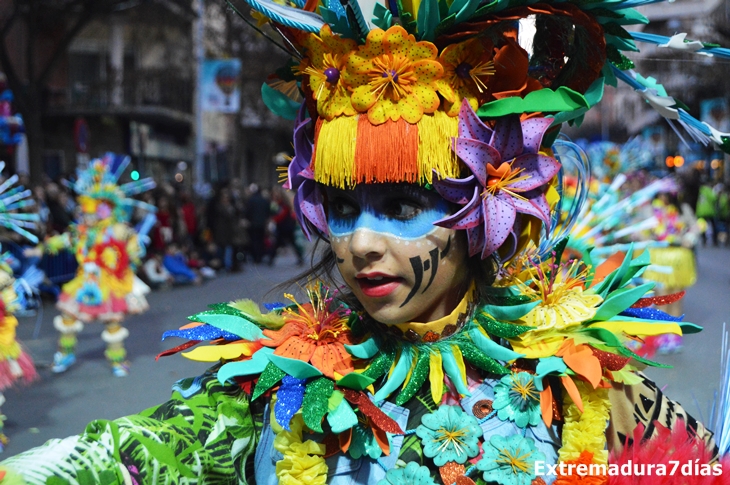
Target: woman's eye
(403,209)
(343,208)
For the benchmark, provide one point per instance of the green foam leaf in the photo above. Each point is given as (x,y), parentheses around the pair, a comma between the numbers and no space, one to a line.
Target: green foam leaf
(356,381)
(543,100)
(279,103)
(295,368)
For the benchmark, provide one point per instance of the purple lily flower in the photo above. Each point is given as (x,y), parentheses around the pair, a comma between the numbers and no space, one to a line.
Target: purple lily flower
(508,176)
(308,200)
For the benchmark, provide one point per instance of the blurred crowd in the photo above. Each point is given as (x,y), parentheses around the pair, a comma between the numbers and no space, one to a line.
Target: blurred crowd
(709,199)
(194,238)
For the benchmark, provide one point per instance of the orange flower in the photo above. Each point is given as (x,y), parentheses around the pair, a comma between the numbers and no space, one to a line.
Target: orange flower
(327,59)
(467,68)
(586,459)
(394,77)
(314,334)
(511,78)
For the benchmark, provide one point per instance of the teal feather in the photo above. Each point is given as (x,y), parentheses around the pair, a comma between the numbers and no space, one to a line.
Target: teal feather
(255,365)
(400,371)
(452,370)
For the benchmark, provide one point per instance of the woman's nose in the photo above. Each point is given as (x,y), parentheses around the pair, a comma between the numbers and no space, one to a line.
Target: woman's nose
(367,244)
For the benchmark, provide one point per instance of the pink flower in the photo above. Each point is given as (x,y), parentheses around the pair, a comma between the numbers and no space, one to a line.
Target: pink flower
(508,176)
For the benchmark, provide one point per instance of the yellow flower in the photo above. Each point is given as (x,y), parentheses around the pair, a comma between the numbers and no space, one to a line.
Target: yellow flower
(394,77)
(467,67)
(563,304)
(303,462)
(327,58)
(564,308)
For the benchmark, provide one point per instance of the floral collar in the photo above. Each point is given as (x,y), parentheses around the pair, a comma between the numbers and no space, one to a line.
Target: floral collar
(320,358)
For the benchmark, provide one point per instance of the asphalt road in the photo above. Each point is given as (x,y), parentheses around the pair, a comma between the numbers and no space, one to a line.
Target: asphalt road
(61,405)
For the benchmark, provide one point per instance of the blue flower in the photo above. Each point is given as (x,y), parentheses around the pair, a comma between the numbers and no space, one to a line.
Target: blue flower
(449,434)
(517,398)
(412,474)
(509,461)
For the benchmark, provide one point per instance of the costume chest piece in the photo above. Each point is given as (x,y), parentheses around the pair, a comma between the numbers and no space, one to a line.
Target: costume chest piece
(345,470)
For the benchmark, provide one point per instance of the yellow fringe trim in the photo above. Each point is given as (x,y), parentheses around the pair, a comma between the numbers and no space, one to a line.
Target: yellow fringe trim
(336,142)
(435,134)
(586,431)
(334,157)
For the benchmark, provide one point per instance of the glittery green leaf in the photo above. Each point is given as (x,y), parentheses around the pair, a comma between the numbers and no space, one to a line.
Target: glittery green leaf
(477,358)
(500,329)
(268,379)
(223,308)
(629,353)
(315,403)
(380,365)
(418,377)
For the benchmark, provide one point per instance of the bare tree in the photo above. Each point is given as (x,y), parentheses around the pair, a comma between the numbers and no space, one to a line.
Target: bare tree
(46,29)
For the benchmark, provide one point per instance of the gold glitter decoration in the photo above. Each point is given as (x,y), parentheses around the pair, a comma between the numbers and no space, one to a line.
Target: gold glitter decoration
(450,472)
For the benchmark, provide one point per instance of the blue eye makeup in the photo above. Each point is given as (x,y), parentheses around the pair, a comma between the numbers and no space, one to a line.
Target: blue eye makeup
(403,211)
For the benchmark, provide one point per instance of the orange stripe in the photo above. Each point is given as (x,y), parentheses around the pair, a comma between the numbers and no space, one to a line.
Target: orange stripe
(387,152)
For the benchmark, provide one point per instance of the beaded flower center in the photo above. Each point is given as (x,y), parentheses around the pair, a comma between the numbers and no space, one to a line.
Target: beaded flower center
(465,71)
(394,77)
(329,73)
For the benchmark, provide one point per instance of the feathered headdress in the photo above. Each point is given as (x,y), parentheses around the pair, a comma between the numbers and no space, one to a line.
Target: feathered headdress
(100,193)
(440,92)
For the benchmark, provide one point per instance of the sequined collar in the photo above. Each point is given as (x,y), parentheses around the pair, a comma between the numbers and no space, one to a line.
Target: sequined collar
(437,329)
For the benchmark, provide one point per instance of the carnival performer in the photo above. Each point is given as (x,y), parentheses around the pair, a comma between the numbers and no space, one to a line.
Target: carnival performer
(108,250)
(461,349)
(15,363)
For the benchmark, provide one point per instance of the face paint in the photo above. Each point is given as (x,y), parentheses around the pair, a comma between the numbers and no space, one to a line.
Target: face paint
(398,264)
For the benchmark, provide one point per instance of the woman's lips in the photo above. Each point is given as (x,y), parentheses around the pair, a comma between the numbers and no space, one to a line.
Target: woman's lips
(378,285)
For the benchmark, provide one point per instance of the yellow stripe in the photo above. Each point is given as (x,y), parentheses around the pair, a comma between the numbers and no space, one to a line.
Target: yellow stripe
(436,376)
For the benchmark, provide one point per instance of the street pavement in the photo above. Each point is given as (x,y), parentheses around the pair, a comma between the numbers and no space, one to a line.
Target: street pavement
(62,404)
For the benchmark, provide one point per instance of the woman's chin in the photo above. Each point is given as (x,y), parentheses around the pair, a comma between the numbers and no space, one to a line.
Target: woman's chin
(387,314)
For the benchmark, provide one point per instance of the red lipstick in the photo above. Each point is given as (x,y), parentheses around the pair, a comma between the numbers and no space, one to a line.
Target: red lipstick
(377,285)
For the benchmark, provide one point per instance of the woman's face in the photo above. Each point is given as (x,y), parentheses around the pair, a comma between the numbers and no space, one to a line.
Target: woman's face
(398,264)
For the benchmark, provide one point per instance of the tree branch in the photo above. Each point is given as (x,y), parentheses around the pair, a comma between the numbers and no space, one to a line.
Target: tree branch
(11,20)
(86,16)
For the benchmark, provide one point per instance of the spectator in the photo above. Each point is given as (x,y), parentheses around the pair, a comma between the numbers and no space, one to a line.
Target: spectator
(174,262)
(707,210)
(257,213)
(163,232)
(223,227)
(189,216)
(286,226)
(155,273)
